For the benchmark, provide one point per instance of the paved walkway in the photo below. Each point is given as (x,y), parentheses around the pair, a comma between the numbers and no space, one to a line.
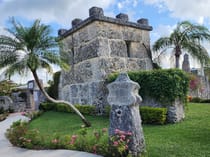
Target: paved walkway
(7,150)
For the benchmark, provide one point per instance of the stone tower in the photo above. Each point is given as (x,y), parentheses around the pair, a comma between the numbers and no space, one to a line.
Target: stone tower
(96,47)
(186,63)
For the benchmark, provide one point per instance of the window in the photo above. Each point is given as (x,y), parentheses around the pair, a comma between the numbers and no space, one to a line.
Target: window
(128,46)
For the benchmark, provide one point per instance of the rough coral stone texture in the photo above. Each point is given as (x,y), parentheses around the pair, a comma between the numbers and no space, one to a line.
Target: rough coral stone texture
(97,47)
(125,116)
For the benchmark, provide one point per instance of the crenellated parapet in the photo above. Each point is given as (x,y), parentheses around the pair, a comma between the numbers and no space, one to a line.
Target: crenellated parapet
(97,14)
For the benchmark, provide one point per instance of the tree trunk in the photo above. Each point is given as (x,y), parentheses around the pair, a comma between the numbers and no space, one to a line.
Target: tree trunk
(177,60)
(87,124)
(177,55)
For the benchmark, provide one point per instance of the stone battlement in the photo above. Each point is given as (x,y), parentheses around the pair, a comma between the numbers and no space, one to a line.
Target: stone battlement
(97,14)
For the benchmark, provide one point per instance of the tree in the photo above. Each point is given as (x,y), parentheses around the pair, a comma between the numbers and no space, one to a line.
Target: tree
(185,37)
(29,49)
(52,90)
(6,87)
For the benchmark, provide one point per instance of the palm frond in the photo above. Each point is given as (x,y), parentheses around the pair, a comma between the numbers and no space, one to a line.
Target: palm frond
(161,43)
(197,51)
(19,67)
(46,66)
(56,59)
(194,31)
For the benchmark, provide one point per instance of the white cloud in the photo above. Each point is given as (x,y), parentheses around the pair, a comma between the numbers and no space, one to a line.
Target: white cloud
(184,9)
(60,11)
(125,3)
(128,7)
(161,31)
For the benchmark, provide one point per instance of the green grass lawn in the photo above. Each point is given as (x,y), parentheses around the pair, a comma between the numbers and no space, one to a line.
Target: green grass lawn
(190,138)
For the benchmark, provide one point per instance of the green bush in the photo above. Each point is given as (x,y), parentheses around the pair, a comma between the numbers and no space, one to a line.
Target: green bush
(1,110)
(84,109)
(199,100)
(16,132)
(162,85)
(196,100)
(46,106)
(53,89)
(107,110)
(152,115)
(205,101)
(62,108)
(96,141)
(149,115)
(3,116)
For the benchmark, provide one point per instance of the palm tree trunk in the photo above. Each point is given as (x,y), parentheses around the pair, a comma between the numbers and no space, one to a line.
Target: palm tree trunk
(177,55)
(177,60)
(87,123)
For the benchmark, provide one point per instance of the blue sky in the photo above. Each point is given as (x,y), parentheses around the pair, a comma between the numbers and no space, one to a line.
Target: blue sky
(163,15)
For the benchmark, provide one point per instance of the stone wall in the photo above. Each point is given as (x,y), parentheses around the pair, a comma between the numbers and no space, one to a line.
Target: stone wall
(19,103)
(96,47)
(175,111)
(6,102)
(106,39)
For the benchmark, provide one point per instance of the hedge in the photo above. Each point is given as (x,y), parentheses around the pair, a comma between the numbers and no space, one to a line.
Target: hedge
(199,100)
(163,85)
(152,115)
(84,109)
(149,115)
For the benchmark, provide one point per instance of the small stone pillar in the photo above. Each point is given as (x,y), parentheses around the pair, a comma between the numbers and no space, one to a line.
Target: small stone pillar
(75,22)
(61,32)
(122,17)
(125,116)
(96,11)
(143,21)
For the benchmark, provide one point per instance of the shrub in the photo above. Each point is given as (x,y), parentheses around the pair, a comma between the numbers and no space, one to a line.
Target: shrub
(46,106)
(3,116)
(53,89)
(196,100)
(32,115)
(199,100)
(120,143)
(96,142)
(205,101)
(162,85)
(1,110)
(149,115)
(19,135)
(107,110)
(62,108)
(16,133)
(195,83)
(152,115)
(84,109)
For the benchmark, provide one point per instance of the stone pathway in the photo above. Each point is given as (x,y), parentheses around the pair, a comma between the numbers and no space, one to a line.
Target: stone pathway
(7,150)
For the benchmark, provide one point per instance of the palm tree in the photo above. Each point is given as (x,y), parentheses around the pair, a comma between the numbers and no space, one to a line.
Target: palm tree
(29,49)
(185,37)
